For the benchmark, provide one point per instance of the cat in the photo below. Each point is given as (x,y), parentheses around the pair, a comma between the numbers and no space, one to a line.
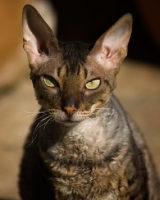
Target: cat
(82,145)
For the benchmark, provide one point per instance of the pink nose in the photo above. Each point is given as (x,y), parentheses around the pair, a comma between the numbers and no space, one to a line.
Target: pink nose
(69,110)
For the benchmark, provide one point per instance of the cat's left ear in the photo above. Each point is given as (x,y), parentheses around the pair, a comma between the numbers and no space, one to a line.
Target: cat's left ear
(38,39)
(111,48)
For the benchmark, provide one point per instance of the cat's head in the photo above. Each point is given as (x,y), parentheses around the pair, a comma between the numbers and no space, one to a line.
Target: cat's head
(73,80)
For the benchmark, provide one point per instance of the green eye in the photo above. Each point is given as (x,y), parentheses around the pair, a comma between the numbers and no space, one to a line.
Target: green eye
(93,84)
(49,81)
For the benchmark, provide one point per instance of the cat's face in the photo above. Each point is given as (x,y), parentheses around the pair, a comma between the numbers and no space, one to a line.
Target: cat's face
(73,80)
(77,83)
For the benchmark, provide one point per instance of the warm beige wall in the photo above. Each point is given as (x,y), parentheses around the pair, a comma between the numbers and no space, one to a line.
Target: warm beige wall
(13,61)
(11,56)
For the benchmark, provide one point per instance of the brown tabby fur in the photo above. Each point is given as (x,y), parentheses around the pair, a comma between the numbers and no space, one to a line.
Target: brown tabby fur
(82,145)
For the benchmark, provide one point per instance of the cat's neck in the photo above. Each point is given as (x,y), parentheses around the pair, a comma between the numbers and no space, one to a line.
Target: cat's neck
(88,136)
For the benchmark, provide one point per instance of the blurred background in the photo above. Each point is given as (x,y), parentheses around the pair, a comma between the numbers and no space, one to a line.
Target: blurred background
(84,20)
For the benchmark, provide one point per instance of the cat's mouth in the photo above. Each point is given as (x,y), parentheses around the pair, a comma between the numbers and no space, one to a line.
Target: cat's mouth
(62,117)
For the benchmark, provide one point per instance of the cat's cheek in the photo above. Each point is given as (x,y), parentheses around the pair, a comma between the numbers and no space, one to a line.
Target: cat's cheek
(88,93)
(59,116)
(48,100)
(96,108)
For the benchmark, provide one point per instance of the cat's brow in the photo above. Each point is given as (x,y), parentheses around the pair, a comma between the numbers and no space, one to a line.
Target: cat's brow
(85,73)
(81,70)
(59,71)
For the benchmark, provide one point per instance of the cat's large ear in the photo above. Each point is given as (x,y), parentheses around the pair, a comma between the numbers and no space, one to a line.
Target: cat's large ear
(38,39)
(111,48)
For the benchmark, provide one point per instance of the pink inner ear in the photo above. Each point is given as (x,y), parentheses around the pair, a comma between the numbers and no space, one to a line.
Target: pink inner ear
(111,48)
(106,52)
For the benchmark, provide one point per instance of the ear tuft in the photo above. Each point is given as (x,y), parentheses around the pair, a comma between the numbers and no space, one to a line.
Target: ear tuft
(38,39)
(111,48)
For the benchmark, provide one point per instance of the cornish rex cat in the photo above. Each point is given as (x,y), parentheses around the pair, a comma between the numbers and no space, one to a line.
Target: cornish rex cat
(82,145)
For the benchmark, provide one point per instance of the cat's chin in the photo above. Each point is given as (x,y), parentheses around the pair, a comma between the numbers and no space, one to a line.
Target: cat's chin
(68,122)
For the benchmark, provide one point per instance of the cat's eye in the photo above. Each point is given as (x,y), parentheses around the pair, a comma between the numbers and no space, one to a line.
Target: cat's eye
(93,84)
(49,81)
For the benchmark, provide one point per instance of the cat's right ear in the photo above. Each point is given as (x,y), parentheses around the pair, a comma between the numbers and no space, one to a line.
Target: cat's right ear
(38,39)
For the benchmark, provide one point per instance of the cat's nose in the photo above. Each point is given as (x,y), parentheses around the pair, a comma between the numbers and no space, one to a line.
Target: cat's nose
(69,110)
(69,104)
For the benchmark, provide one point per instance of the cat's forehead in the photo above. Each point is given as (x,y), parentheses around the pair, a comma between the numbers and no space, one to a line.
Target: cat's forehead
(74,53)
(75,56)
(72,56)
(72,60)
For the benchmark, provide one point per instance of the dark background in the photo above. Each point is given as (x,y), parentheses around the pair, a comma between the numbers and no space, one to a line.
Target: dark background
(87,20)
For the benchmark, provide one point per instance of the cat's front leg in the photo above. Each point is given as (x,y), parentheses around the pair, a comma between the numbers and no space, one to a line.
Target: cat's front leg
(34,181)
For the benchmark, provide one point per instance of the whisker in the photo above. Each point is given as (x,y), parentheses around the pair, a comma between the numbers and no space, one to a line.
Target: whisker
(40,117)
(28,116)
(37,112)
(47,122)
(40,124)
(34,121)
(26,129)
(32,114)
(37,126)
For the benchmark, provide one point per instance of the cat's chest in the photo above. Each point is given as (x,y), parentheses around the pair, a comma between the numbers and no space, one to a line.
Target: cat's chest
(81,164)
(88,181)
(86,141)
(76,174)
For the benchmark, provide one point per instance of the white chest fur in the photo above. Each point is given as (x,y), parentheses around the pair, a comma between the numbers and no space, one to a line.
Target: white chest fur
(85,158)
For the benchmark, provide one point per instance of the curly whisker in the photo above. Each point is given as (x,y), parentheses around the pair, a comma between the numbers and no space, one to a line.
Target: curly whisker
(39,125)
(47,122)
